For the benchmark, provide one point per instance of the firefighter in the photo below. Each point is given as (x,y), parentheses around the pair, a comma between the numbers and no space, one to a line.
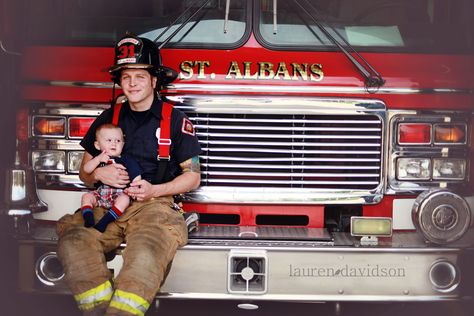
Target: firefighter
(151,228)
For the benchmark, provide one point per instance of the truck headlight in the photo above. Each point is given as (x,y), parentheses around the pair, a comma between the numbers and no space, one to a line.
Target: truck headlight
(449,169)
(46,160)
(74,161)
(441,216)
(413,168)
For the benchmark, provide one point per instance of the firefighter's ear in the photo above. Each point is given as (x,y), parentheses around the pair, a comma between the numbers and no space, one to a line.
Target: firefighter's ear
(96,145)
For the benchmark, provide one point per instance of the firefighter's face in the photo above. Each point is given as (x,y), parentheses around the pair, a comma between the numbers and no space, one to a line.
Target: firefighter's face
(138,86)
(110,140)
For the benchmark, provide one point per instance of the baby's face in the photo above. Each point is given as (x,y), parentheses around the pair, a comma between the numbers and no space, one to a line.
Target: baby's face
(111,141)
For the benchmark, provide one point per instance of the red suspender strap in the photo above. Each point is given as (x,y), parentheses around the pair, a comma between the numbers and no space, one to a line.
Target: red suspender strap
(164,142)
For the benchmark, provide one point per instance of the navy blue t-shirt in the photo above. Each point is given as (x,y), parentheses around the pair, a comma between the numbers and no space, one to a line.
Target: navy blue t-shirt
(133,168)
(131,165)
(141,142)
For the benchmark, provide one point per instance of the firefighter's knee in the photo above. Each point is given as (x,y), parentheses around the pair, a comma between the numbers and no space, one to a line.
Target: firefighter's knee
(64,223)
(74,241)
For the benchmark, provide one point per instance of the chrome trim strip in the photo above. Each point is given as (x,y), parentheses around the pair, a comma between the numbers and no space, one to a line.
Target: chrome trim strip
(309,89)
(312,144)
(209,245)
(250,166)
(277,128)
(310,298)
(58,144)
(293,151)
(292,175)
(267,88)
(218,119)
(332,159)
(271,195)
(72,109)
(289,136)
(80,84)
(292,182)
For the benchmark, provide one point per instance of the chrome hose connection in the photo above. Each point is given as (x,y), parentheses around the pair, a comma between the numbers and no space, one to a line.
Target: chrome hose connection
(441,216)
(48,269)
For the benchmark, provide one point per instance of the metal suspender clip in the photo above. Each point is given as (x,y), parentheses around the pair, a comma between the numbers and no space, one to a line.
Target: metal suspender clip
(164,141)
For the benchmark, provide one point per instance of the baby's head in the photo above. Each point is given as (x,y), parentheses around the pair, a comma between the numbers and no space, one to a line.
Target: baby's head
(109,138)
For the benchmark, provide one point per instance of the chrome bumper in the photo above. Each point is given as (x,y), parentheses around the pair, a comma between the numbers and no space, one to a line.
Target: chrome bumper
(401,268)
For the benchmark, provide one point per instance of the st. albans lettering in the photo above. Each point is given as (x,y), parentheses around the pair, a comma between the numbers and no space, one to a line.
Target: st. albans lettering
(254,71)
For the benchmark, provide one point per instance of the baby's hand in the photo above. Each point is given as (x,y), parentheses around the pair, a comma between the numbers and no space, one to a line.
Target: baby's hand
(103,157)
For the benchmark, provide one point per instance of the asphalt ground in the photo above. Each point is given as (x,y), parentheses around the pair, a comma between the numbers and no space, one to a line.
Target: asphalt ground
(52,305)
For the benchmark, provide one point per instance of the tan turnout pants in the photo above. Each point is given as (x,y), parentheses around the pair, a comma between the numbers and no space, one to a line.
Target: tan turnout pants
(152,231)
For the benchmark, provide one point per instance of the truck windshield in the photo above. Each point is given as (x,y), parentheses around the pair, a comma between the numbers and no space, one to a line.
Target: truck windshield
(370,25)
(92,22)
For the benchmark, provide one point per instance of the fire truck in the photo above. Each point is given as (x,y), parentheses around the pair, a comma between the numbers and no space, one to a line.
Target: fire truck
(337,141)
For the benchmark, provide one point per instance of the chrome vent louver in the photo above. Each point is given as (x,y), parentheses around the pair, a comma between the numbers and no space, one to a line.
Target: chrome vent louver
(315,144)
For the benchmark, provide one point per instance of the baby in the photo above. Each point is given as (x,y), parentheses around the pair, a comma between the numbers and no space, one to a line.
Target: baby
(110,141)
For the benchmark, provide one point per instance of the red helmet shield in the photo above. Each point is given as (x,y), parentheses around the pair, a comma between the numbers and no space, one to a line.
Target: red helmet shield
(128,51)
(136,52)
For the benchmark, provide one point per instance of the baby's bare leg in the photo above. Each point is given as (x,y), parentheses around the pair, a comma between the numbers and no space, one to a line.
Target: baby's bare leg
(122,201)
(88,199)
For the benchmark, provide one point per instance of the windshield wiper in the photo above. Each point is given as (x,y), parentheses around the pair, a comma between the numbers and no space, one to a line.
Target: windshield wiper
(5,50)
(372,77)
(226,17)
(166,40)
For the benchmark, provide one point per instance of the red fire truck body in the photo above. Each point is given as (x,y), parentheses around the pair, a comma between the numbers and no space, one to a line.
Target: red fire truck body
(319,183)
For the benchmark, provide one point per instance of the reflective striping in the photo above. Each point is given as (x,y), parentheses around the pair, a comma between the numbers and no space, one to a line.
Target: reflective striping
(129,302)
(95,296)
(264,88)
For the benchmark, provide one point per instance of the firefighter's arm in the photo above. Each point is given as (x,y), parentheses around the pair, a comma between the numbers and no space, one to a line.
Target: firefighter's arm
(114,174)
(190,179)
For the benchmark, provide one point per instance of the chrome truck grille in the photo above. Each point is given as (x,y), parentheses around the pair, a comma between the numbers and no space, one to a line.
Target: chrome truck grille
(287,150)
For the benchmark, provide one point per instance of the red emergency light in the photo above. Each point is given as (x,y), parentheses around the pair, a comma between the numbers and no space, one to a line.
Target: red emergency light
(78,126)
(414,134)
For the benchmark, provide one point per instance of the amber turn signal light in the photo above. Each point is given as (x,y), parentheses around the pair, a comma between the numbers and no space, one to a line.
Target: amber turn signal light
(450,134)
(49,126)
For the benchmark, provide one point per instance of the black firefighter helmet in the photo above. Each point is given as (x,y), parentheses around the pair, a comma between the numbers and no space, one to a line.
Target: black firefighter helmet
(140,53)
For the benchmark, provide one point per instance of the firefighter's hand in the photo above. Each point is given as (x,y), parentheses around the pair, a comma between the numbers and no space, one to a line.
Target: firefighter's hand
(114,175)
(140,190)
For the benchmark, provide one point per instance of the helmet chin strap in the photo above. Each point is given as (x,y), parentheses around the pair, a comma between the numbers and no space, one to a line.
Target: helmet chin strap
(112,101)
